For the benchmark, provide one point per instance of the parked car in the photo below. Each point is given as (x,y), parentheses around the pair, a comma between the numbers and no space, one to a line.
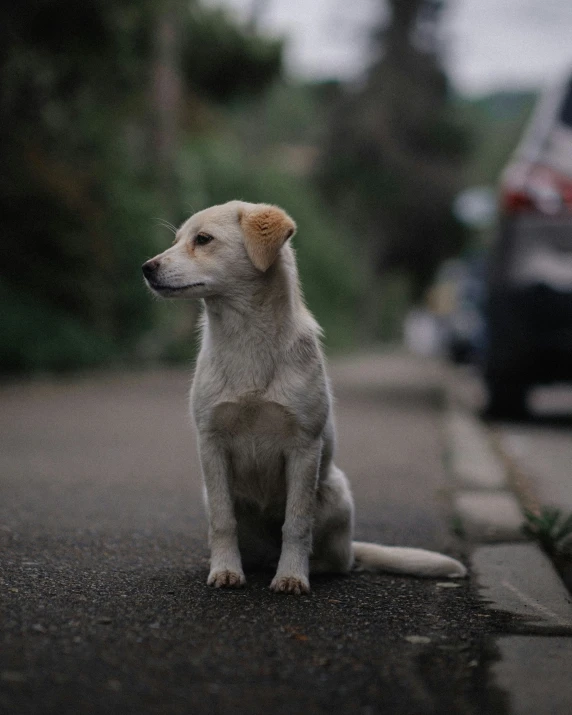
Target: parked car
(529,303)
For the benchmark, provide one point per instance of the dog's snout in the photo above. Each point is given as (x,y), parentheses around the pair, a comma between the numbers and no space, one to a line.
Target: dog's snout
(149,267)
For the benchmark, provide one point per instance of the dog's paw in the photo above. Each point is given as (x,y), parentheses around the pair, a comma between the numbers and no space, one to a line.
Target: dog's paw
(290,584)
(226,579)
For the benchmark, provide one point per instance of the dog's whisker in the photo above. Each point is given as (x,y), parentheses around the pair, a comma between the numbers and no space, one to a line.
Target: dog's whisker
(166,224)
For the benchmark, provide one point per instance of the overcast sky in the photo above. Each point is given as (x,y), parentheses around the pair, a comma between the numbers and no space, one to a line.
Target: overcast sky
(490,44)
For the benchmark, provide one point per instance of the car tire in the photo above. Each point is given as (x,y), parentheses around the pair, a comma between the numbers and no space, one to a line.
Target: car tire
(506,399)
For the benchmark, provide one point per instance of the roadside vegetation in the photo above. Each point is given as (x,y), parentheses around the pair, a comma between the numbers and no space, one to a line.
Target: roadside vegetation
(552,529)
(119,118)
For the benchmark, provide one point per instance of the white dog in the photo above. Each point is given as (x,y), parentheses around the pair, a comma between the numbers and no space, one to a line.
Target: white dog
(262,407)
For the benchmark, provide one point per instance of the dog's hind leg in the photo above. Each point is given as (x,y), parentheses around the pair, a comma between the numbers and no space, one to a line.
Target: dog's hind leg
(334,551)
(332,547)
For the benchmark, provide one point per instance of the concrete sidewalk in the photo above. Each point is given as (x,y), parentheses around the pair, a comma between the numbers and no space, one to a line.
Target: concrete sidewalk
(492,481)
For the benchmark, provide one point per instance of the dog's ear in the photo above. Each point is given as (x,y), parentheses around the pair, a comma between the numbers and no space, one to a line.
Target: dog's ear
(266,228)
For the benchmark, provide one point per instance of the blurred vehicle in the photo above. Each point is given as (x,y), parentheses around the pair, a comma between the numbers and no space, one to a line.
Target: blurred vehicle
(529,305)
(456,298)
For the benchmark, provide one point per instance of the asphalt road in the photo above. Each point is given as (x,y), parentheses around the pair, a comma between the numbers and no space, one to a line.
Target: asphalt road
(105,608)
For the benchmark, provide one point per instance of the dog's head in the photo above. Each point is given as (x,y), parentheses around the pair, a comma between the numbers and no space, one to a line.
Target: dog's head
(219,247)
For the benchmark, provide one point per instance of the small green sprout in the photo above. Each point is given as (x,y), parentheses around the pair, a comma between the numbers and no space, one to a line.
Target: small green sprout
(551,529)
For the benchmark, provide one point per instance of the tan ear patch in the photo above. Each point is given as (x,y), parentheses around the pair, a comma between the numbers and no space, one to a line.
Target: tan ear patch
(266,229)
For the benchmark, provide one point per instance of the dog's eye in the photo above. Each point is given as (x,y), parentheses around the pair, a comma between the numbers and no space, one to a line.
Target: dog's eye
(202,239)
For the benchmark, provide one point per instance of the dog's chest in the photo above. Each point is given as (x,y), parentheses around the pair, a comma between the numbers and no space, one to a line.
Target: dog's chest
(256,433)
(251,416)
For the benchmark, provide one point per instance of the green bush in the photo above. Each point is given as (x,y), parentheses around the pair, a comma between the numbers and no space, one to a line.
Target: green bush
(37,336)
(85,168)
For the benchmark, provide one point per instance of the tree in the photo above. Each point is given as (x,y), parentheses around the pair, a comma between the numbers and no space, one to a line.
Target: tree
(394,157)
(86,167)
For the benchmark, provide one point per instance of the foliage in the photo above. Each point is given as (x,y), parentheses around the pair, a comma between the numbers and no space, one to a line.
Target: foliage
(222,60)
(394,159)
(80,185)
(496,122)
(91,157)
(38,336)
(288,113)
(551,529)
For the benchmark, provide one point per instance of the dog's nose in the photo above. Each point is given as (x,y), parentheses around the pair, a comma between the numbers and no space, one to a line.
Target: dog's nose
(150,267)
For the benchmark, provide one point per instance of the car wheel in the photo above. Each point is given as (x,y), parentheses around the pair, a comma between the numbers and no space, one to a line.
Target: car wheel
(506,399)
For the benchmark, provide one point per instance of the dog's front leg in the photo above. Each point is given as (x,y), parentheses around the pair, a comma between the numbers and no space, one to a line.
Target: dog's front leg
(292,575)
(226,566)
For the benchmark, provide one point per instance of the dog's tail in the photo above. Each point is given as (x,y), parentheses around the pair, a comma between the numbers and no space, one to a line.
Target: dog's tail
(398,559)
